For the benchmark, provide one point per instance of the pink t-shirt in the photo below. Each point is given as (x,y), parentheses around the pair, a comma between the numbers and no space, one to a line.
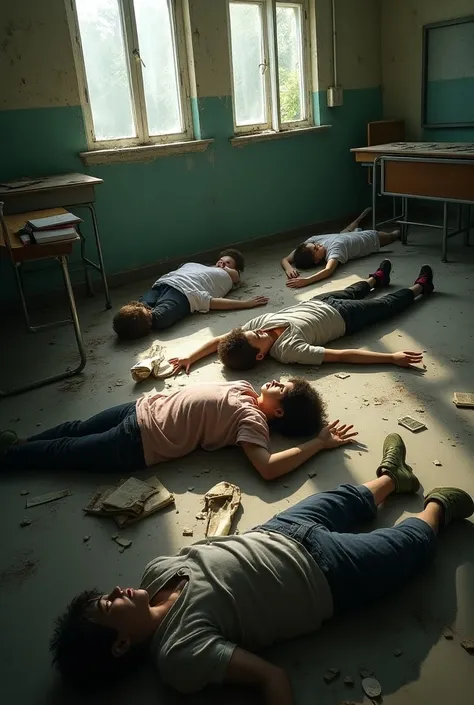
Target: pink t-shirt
(207,415)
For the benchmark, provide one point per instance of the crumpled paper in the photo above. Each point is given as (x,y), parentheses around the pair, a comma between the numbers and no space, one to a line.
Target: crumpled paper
(156,365)
(221,503)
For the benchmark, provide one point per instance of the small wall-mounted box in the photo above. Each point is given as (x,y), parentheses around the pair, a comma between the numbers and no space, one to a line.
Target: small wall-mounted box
(335,96)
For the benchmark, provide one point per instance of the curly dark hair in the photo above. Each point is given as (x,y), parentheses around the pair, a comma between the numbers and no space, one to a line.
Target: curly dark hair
(132,321)
(235,351)
(303,411)
(236,255)
(82,648)
(303,257)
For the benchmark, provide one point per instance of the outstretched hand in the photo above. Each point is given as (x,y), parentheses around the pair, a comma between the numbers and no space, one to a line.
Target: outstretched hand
(298,282)
(292,273)
(333,435)
(407,358)
(180,363)
(257,301)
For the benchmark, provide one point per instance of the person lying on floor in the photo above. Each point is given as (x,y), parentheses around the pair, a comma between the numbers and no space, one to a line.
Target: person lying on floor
(193,287)
(333,250)
(203,613)
(160,427)
(297,333)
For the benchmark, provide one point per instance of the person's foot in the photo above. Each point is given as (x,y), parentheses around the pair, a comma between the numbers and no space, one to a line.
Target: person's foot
(425,279)
(7,439)
(382,275)
(456,503)
(393,464)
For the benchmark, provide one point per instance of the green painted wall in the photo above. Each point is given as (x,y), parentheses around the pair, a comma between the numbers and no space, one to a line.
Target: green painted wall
(185,204)
(448,98)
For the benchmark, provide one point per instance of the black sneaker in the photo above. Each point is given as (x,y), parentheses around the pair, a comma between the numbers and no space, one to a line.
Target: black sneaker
(382,275)
(425,279)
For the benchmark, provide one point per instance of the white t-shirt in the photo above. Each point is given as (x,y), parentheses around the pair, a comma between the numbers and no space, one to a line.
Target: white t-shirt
(309,325)
(199,283)
(346,246)
(250,591)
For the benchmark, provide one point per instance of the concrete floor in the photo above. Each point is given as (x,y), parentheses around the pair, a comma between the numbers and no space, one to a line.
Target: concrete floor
(44,565)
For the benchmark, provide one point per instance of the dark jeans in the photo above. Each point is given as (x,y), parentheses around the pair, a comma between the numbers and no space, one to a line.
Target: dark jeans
(359,568)
(110,440)
(169,305)
(357,313)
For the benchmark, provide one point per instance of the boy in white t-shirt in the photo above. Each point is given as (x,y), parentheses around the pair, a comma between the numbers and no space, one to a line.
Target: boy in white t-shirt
(333,249)
(192,288)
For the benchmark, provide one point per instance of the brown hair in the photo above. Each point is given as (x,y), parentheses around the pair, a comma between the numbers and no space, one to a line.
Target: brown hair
(303,257)
(235,351)
(303,411)
(236,255)
(132,321)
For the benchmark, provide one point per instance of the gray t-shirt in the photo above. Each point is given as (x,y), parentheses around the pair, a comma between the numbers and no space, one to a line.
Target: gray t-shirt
(345,246)
(309,325)
(249,591)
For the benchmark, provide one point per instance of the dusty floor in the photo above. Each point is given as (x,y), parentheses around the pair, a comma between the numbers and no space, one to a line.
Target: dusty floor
(43,565)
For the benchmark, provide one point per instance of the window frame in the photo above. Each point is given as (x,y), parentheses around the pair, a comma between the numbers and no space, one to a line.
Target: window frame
(134,67)
(273,121)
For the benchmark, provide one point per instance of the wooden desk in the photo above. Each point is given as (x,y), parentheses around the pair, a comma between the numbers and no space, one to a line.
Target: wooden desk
(12,247)
(437,171)
(63,190)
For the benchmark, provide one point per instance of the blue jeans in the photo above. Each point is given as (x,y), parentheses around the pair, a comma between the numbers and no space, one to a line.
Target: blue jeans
(359,568)
(110,440)
(357,313)
(168,305)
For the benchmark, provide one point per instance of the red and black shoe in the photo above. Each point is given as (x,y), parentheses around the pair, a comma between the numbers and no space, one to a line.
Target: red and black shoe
(425,279)
(382,275)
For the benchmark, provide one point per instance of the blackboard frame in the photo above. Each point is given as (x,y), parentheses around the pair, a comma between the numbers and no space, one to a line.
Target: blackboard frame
(424,73)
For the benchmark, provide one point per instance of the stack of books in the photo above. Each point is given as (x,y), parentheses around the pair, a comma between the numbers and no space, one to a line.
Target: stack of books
(54,228)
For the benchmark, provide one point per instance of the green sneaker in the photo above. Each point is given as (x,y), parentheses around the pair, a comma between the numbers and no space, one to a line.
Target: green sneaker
(456,503)
(393,464)
(7,439)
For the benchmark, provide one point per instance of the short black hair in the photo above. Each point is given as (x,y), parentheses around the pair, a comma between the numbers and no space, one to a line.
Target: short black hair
(235,351)
(303,257)
(236,255)
(82,648)
(303,411)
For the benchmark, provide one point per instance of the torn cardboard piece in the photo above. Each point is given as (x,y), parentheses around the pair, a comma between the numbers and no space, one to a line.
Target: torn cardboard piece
(45,498)
(463,400)
(128,498)
(157,498)
(221,503)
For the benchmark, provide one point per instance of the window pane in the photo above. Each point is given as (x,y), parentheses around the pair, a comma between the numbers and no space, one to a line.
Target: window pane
(290,62)
(106,68)
(160,71)
(246,28)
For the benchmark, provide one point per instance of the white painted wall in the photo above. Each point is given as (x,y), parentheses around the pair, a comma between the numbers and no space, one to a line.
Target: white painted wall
(401,39)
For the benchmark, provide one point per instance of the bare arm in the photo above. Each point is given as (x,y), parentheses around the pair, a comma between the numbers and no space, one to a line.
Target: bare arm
(328,270)
(185,363)
(287,264)
(234,274)
(274,465)
(366,357)
(236,304)
(247,669)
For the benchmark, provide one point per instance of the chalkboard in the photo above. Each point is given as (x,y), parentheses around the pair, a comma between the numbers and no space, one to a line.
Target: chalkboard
(448,74)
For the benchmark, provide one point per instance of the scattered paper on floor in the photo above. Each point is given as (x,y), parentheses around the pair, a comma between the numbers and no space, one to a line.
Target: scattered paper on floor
(221,503)
(153,364)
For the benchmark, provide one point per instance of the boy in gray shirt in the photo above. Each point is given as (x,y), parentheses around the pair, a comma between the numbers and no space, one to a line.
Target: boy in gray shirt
(299,333)
(204,612)
(333,249)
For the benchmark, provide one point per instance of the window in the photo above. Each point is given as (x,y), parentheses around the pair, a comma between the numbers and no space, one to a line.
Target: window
(132,66)
(270,60)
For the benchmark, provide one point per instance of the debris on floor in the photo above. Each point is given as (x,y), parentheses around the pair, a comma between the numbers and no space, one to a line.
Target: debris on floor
(85,538)
(155,365)
(437,463)
(468,645)
(190,489)
(331,675)
(123,543)
(342,375)
(397,653)
(463,400)
(220,504)
(45,498)
(24,493)
(187,531)
(200,516)
(365,673)
(371,687)
(411,424)
(312,474)
(131,501)
(25,522)
(448,633)
(349,681)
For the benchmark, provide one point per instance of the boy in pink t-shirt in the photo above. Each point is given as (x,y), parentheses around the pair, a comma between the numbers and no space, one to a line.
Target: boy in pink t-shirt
(160,427)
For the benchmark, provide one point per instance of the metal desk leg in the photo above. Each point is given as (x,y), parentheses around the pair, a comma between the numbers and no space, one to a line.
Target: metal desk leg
(62,259)
(467,224)
(405,219)
(444,257)
(374,193)
(95,225)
